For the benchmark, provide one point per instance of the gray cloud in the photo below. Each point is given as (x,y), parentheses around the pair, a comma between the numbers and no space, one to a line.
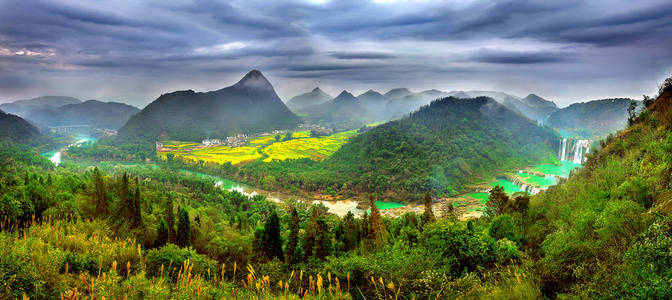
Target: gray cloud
(136,50)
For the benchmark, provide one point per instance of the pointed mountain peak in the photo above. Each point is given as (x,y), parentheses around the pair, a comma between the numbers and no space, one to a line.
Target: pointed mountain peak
(254,80)
(345,94)
(317,89)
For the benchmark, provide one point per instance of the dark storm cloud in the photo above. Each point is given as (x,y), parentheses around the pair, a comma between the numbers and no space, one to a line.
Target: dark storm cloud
(520,57)
(74,47)
(362,55)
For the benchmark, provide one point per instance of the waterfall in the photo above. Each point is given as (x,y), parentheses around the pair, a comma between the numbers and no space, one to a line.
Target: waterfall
(581,147)
(563,149)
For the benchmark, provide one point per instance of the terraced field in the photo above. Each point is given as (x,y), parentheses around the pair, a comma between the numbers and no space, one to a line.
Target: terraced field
(263,147)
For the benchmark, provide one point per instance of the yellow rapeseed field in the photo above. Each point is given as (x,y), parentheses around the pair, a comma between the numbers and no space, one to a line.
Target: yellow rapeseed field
(301,146)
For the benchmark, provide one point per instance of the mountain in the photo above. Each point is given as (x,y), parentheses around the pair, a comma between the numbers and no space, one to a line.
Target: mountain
(14,128)
(21,107)
(532,106)
(312,98)
(444,146)
(401,101)
(397,93)
(249,106)
(94,113)
(343,112)
(375,103)
(592,118)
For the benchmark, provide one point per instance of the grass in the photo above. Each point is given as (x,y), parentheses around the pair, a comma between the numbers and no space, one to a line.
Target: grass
(263,147)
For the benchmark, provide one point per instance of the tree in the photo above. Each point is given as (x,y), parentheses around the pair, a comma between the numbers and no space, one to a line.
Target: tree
(162,234)
(136,212)
(277,137)
(170,216)
(293,239)
(99,194)
(377,234)
(428,215)
(351,232)
(502,227)
(270,240)
(309,236)
(632,112)
(183,228)
(322,239)
(498,202)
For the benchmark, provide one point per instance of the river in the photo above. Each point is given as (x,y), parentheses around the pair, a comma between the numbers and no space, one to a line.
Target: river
(531,180)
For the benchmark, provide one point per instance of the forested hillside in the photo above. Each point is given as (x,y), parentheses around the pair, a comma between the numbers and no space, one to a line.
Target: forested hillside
(592,118)
(607,231)
(442,147)
(14,128)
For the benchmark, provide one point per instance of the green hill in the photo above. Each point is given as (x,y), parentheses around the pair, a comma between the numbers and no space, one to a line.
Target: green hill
(95,113)
(15,129)
(607,232)
(592,118)
(249,106)
(442,147)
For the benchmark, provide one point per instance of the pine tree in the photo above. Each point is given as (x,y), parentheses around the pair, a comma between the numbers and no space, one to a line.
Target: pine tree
(351,232)
(377,234)
(293,239)
(271,242)
(428,215)
(99,194)
(170,215)
(183,228)
(309,237)
(162,234)
(136,211)
(322,239)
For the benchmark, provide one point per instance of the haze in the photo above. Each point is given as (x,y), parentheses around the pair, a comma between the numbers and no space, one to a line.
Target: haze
(133,51)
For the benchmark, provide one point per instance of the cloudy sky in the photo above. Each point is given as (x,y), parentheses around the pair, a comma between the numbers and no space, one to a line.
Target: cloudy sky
(133,51)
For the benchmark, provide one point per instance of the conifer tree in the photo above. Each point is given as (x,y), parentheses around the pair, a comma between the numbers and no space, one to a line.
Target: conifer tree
(170,216)
(99,194)
(271,242)
(136,211)
(351,232)
(377,234)
(309,237)
(183,228)
(161,234)
(322,239)
(428,215)
(293,239)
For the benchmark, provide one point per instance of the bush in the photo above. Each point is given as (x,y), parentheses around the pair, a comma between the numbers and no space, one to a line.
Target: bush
(502,228)
(173,256)
(461,249)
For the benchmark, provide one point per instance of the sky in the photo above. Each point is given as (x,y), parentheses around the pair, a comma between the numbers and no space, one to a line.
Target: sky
(133,51)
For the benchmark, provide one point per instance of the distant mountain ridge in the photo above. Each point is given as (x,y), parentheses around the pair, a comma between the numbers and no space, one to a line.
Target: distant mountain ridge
(343,112)
(593,118)
(312,98)
(21,107)
(251,105)
(94,113)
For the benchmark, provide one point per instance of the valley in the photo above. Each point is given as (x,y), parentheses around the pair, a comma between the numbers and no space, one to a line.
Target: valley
(335,150)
